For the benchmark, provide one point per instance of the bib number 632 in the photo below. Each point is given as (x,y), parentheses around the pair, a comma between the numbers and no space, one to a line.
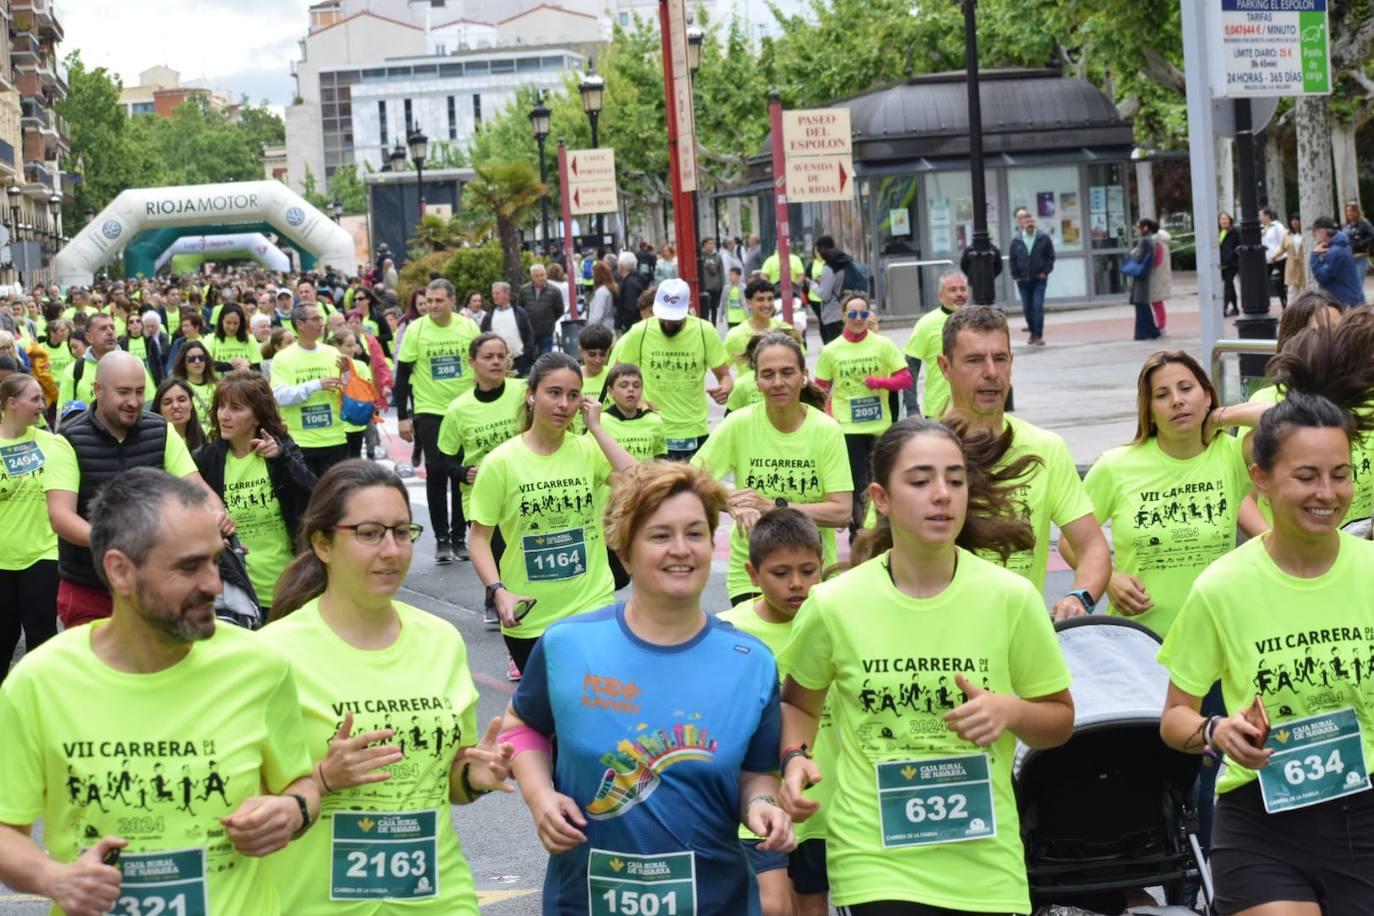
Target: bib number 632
(937,808)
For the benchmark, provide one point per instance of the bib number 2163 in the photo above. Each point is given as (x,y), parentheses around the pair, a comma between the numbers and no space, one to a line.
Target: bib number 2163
(624,884)
(379,856)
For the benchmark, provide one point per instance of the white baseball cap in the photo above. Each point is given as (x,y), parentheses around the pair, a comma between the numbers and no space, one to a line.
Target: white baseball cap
(673,300)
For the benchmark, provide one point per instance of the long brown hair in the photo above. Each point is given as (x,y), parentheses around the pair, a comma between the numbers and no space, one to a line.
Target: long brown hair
(195,433)
(992,521)
(179,367)
(1145,428)
(307,575)
(250,389)
(602,276)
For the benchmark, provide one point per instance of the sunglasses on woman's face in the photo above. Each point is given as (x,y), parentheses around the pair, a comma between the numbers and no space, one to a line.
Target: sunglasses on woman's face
(197,358)
(857,314)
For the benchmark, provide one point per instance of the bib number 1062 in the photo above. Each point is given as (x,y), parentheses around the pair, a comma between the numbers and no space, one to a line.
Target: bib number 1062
(381,865)
(937,808)
(640,903)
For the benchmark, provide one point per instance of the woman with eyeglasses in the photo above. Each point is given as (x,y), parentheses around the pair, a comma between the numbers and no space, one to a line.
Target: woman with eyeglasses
(258,473)
(859,370)
(390,712)
(175,402)
(195,364)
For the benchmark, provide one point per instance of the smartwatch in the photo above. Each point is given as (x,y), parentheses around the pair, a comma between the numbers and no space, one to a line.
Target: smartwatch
(781,503)
(1085,598)
(496,586)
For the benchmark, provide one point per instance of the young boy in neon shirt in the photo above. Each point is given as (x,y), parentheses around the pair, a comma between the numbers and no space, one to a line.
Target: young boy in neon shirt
(785,563)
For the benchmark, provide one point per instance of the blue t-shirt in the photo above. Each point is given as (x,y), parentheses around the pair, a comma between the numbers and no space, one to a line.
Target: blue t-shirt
(651,743)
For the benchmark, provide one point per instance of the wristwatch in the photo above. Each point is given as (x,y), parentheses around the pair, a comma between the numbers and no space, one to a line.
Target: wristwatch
(305,814)
(496,586)
(781,503)
(1085,598)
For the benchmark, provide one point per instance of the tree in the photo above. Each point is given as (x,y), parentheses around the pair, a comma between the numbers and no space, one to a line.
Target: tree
(348,188)
(508,189)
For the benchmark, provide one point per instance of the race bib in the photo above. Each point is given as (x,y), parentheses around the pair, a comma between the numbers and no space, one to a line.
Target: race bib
(443,368)
(23,458)
(622,884)
(379,856)
(1315,760)
(556,555)
(941,800)
(166,883)
(866,410)
(682,445)
(317,416)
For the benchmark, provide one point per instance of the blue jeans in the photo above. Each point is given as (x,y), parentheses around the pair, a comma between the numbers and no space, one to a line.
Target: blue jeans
(543,343)
(1033,304)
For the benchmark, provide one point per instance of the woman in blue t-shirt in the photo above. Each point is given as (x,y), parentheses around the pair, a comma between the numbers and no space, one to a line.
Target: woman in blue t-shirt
(667,722)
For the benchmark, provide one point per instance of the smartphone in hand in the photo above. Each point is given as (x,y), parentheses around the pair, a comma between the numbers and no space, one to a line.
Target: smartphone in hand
(1257,716)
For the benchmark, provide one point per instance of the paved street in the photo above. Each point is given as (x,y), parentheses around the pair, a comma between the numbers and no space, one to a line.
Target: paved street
(1081,386)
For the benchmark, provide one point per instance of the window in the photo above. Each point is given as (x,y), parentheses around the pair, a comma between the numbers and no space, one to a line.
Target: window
(409,121)
(475,67)
(527,64)
(450,69)
(381,119)
(503,66)
(624,19)
(452,119)
(476,109)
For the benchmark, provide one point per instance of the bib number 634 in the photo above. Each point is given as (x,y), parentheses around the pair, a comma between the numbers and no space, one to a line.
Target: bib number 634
(1297,772)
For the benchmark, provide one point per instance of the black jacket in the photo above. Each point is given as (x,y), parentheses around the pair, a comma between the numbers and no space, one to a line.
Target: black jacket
(522,322)
(627,306)
(1028,265)
(1230,258)
(291,481)
(542,306)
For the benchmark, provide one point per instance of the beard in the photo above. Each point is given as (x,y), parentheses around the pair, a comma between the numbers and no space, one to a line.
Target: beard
(158,612)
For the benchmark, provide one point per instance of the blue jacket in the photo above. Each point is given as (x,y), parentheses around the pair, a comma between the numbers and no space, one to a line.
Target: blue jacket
(1027,265)
(1338,273)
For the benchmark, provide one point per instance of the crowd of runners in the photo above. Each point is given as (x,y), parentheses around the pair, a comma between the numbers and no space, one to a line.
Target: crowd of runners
(842,734)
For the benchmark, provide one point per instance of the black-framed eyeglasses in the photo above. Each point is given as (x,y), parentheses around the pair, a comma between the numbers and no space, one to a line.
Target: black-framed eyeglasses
(371,533)
(857,314)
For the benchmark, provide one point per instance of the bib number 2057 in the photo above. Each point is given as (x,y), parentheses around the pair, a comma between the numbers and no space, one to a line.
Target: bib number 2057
(167,883)
(941,800)
(1315,760)
(624,884)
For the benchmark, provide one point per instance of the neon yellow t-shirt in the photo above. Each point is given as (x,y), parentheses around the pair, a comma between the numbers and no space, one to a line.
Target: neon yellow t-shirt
(927,343)
(475,426)
(591,387)
(251,503)
(772,268)
(314,423)
(1170,517)
(1052,493)
(59,358)
(203,396)
(734,305)
(1361,469)
(440,356)
(674,370)
(421,687)
(859,410)
(222,351)
(138,347)
(745,616)
(173,318)
(1304,646)
(65,472)
(69,389)
(641,437)
(157,759)
(890,663)
(744,392)
(805,466)
(24,484)
(738,337)
(550,517)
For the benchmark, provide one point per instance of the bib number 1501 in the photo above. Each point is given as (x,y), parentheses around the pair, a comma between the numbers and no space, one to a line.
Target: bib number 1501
(640,903)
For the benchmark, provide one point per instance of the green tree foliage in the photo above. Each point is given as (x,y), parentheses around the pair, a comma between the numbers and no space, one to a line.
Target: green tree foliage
(509,190)
(347,185)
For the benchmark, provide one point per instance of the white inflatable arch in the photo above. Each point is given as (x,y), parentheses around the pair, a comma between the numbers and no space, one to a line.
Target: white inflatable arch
(253,244)
(138,209)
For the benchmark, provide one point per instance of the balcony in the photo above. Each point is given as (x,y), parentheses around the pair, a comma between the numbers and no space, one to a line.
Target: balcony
(24,46)
(44,15)
(38,172)
(6,157)
(33,116)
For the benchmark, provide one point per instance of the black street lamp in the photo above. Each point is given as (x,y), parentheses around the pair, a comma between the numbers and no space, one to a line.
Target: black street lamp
(17,254)
(397,158)
(89,213)
(540,118)
(336,209)
(55,207)
(419,152)
(593,90)
(982,255)
(695,37)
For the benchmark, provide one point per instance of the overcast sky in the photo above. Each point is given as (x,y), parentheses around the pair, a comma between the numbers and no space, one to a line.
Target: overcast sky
(242,46)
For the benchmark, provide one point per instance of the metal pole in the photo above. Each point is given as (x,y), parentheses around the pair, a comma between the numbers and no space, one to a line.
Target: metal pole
(780,206)
(597,225)
(1254,321)
(982,256)
(1202,165)
(543,201)
(684,219)
(420,192)
(564,195)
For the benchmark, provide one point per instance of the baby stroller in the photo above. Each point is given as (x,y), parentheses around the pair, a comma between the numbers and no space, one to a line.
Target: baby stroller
(1111,810)
(237,602)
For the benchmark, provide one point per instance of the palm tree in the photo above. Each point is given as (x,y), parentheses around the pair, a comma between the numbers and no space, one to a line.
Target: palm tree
(508,190)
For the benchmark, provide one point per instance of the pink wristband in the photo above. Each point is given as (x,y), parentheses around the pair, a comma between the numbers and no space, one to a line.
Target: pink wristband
(524,738)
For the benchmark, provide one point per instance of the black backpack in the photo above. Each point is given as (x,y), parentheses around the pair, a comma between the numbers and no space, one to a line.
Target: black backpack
(1362,237)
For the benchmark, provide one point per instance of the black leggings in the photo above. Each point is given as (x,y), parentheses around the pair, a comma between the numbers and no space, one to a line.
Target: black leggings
(519,649)
(320,460)
(355,442)
(441,490)
(904,908)
(28,601)
(860,448)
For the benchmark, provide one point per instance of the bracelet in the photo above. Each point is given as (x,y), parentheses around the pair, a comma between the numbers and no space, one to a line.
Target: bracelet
(496,586)
(468,790)
(1209,730)
(320,767)
(797,750)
